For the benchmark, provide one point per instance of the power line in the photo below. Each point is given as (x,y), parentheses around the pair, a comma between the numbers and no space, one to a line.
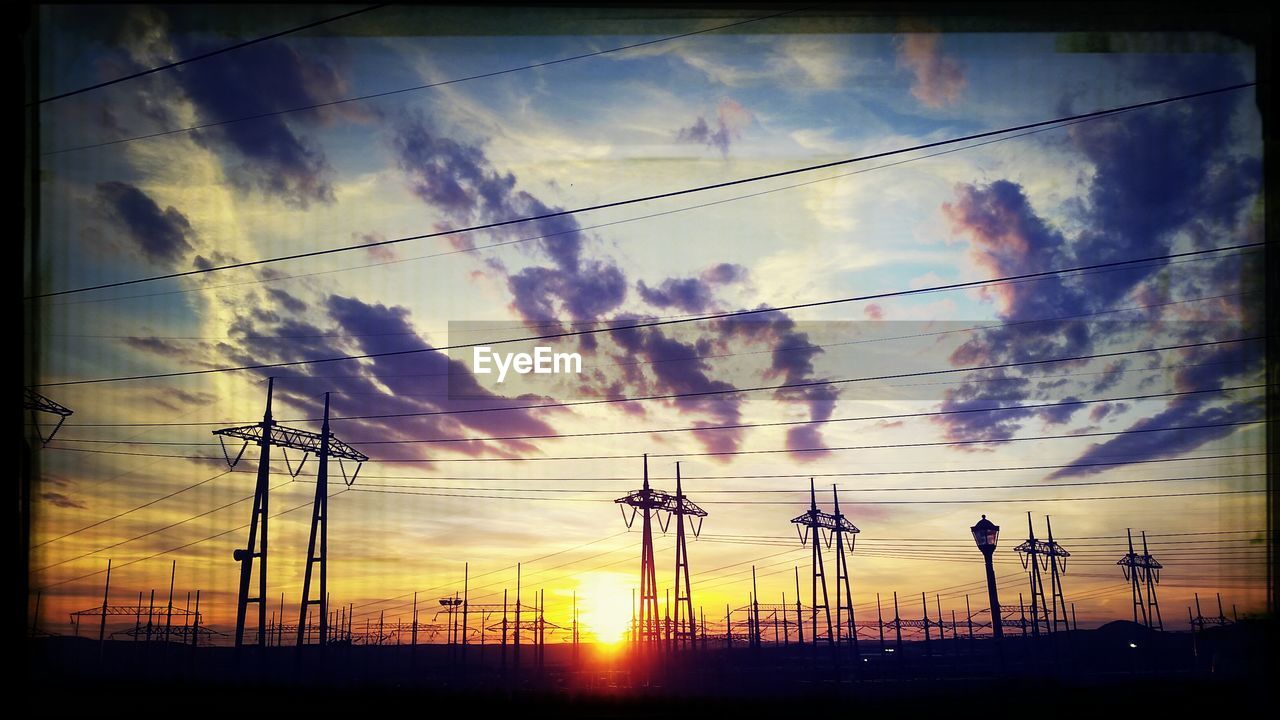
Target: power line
(802,491)
(810,346)
(650,198)
(157,530)
(991,501)
(386,93)
(792,423)
(648,216)
(143,506)
(201,56)
(658,323)
(184,546)
(804,475)
(939,443)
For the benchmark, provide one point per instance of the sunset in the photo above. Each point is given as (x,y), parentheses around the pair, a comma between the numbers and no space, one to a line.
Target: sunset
(563,347)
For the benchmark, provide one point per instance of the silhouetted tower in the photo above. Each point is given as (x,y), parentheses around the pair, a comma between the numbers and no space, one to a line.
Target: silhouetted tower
(1056,556)
(1032,554)
(661,505)
(1131,566)
(844,593)
(319,553)
(34,402)
(266,434)
(813,522)
(645,501)
(685,625)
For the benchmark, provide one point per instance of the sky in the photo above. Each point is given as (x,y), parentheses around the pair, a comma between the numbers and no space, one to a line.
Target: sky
(213,163)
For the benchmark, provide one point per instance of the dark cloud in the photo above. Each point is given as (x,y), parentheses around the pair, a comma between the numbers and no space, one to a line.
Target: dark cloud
(157,346)
(160,235)
(63,501)
(289,302)
(691,294)
(1155,445)
(720,133)
(215,258)
(421,382)
(676,367)
(459,180)
(1139,200)
(1060,414)
(791,363)
(268,154)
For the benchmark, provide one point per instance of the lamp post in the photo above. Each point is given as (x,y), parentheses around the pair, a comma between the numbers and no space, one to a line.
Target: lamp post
(985,534)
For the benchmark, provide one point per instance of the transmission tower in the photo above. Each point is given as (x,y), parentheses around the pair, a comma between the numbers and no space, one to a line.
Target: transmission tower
(1143,572)
(844,594)
(662,506)
(319,553)
(34,402)
(813,522)
(685,625)
(1032,552)
(266,434)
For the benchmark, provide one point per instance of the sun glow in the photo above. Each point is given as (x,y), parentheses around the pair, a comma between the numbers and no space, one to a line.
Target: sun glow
(604,607)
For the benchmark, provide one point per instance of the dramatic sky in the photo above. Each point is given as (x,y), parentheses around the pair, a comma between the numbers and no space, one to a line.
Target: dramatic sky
(129,190)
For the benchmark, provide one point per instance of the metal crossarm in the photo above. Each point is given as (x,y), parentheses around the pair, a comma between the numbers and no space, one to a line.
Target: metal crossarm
(35,402)
(287,437)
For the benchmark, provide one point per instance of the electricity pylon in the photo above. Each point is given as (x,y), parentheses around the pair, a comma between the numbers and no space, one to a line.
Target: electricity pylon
(663,506)
(1143,572)
(266,434)
(1031,552)
(34,402)
(814,521)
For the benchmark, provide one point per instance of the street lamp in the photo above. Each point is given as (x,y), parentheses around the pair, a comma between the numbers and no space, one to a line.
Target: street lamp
(985,534)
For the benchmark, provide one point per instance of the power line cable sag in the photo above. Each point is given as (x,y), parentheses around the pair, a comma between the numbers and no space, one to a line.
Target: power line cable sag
(385,93)
(662,323)
(657,196)
(202,56)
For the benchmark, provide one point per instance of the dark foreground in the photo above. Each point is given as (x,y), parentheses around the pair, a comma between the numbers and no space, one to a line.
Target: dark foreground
(1114,669)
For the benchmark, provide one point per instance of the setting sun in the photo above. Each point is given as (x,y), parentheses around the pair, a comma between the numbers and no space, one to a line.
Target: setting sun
(604,606)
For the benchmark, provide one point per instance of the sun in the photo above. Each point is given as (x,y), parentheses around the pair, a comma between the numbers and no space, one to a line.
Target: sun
(604,607)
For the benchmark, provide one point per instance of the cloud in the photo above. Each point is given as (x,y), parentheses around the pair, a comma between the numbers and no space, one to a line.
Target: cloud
(215,258)
(157,346)
(407,384)
(939,78)
(287,301)
(1140,200)
(376,251)
(459,180)
(63,501)
(268,154)
(1156,445)
(691,294)
(159,235)
(727,127)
